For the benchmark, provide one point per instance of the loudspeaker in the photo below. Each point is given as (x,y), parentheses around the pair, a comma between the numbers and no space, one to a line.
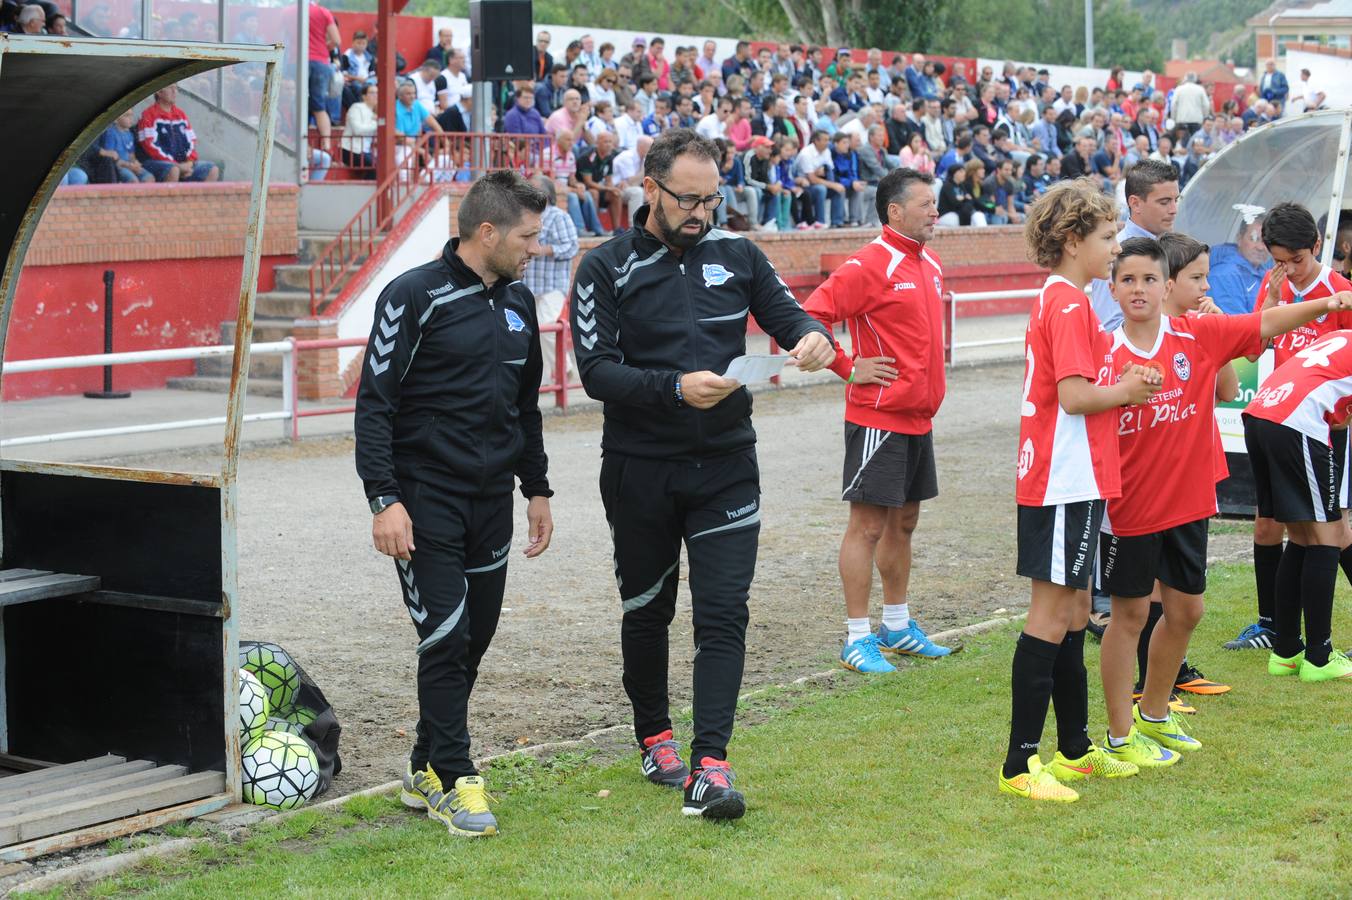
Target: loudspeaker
(501,47)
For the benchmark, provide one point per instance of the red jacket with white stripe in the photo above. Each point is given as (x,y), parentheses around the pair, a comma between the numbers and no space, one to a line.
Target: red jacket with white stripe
(890,295)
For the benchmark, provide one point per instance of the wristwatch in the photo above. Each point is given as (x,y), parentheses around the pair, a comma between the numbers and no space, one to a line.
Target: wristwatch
(382,503)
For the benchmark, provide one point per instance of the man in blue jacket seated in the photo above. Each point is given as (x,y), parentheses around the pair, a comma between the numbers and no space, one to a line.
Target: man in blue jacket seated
(1237,269)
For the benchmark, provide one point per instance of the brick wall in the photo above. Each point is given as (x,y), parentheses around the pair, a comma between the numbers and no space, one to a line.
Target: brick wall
(317,374)
(120,223)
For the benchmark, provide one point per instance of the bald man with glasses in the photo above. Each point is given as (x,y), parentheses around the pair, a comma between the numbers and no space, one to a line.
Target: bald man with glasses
(658,314)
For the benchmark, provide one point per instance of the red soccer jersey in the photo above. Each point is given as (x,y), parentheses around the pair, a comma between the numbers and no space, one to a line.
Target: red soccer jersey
(1168,441)
(1326,285)
(1311,390)
(1064,458)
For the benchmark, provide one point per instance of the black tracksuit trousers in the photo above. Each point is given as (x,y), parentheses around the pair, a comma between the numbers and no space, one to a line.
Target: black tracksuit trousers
(453,590)
(714,506)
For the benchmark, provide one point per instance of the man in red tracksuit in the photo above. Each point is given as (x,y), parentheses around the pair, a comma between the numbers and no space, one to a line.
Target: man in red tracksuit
(889,293)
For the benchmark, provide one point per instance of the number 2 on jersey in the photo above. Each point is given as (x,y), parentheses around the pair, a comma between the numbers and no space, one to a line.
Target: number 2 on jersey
(1027,408)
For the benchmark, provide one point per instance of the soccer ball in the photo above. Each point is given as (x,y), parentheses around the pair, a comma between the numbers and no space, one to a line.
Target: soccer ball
(275,670)
(301,716)
(283,725)
(253,706)
(279,770)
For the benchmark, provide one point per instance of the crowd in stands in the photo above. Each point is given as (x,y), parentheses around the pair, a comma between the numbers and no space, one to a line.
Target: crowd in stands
(805,142)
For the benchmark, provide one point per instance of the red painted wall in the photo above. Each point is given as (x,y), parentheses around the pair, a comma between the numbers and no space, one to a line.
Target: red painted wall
(413,34)
(58,311)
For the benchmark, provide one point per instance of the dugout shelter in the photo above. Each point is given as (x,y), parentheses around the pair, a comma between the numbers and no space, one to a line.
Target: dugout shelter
(118,587)
(1303,159)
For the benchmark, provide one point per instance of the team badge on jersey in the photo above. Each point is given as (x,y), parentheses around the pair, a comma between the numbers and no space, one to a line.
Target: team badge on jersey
(1182,368)
(714,275)
(514,322)
(938,287)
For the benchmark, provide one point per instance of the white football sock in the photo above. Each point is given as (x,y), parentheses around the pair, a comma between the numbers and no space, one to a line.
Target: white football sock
(856,629)
(896,616)
(1116,742)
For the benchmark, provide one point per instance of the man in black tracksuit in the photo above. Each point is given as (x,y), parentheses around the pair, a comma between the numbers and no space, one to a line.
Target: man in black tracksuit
(447,418)
(657,312)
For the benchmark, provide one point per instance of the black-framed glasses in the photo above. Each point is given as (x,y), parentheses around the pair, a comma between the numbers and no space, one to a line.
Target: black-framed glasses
(688,202)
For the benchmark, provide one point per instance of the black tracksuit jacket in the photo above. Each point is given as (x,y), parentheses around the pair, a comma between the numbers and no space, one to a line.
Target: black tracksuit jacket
(642,316)
(450,385)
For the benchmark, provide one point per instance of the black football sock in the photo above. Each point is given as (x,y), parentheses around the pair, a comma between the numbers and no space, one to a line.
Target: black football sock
(1143,645)
(1317,580)
(1031,691)
(1070,697)
(1286,610)
(1266,558)
(1345,560)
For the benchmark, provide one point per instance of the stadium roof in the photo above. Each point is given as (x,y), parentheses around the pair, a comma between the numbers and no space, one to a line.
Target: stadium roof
(1328,10)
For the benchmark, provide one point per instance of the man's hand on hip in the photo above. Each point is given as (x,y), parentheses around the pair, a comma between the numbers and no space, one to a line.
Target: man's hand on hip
(705,390)
(539,526)
(392,532)
(813,352)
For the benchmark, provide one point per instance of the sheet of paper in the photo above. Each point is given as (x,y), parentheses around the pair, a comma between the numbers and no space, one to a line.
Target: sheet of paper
(754,368)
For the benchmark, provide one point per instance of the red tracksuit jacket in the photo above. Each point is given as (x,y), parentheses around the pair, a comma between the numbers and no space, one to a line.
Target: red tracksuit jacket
(889,294)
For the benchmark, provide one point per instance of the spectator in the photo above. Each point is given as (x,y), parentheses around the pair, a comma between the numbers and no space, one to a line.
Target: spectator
(984,149)
(660,120)
(248,28)
(1143,126)
(873,165)
(1208,133)
(845,172)
(608,61)
(683,67)
(647,94)
(873,87)
(624,87)
(828,118)
(167,144)
(793,201)
(571,53)
(117,146)
(738,196)
(549,93)
(1139,150)
(936,141)
(567,117)
(1259,113)
(456,116)
(594,169)
(635,59)
(578,80)
(956,204)
(759,163)
(31,20)
(1227,131)
(1191,104)
(1196,158)
(324,41)
(705,64)
(915,156)
(603,89)
(589,58)
(550,270)
(739,125)
(1238,268)
(957,155)
(456,75)
(410,118)
(544,62)
(1273,84)
(581,209)
(626,174)
(1080,163)
(629,127)
(430,88)
(1309,96)
(523,117)
(814,166)
(56,25)
(740,61)
(359,131)
(1045,133)
(684,116)
(656,63)
(1036,180)
(358,67)
(603,119)
(441,51)
(1002,189)
(714,125)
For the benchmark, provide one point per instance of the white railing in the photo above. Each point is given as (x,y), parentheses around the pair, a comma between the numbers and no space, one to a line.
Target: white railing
(976,297)
(283,348)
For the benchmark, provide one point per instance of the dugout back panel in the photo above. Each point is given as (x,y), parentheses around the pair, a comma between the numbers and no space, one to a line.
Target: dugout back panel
(141,537)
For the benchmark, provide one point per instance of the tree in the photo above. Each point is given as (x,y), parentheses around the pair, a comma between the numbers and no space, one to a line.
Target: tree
(896,24)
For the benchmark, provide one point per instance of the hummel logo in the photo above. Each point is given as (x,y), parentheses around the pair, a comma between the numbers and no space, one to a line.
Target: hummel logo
(444,289)
(624,267)
(733,514)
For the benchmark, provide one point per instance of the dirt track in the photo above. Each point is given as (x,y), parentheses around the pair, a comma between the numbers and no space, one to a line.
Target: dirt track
(310,580)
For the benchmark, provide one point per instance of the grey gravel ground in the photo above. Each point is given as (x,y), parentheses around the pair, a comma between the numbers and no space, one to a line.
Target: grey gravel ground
(310,580)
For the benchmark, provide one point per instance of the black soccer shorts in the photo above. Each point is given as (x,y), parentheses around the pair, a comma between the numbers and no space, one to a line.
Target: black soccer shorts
(1296,477)
(1057,543)
(1176,556)
(887,468)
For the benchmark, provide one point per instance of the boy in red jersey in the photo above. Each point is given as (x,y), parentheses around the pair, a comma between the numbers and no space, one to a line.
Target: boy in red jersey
(1157,529)
(891,293)
(1292,237)
(1067,467)
(1287,429)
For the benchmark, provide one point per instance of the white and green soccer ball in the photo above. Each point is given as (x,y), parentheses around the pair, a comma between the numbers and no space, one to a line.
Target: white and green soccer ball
(253,707)
(301,715)
(285,726)
(276,671)
(279,770)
